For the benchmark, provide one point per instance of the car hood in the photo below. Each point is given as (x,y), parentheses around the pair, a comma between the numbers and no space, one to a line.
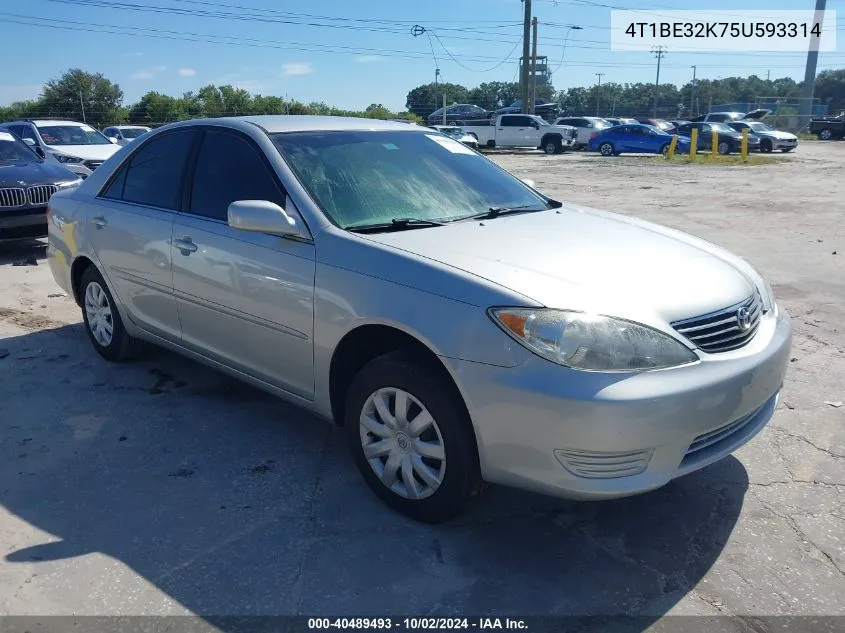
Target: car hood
(33,173)
(585,259)
(87,152)
(783,136)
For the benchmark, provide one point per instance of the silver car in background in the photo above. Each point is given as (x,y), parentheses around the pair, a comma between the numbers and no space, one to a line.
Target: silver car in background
(462,326)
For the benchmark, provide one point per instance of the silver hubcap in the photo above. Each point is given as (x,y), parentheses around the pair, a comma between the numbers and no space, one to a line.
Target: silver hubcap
(402,443)
(825,134)
(98,311)
(607,150)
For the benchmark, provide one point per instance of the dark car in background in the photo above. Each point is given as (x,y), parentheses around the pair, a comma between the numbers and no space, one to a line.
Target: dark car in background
(828,127)
(728,141)
(660,124)
(459,114)
(546,109)
(26,184)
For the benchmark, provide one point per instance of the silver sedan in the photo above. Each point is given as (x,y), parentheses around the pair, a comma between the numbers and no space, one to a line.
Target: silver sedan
(460,325)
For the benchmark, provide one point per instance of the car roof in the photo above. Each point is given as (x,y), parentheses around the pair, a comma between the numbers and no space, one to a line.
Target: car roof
(40,122)
(273,123)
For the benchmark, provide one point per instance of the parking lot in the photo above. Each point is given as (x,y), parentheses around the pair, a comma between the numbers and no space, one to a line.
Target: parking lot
(161,487)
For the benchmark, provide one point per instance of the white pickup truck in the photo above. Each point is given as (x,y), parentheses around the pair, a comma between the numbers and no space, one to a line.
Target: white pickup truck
(524,130)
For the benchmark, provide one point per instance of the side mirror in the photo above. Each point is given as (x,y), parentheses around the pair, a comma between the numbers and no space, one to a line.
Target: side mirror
(113,139)
(29,142)
(527,181)
(262,216)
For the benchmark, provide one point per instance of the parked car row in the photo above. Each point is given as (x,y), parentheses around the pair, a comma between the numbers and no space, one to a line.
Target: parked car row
(828,127)
(42,156)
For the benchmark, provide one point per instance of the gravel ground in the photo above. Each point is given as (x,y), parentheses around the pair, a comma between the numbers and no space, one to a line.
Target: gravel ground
(161,487)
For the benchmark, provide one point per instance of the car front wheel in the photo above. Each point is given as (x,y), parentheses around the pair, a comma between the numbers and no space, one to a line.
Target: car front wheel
(102,320)
(723,148)
(411,438)
(766,146)
(551,147)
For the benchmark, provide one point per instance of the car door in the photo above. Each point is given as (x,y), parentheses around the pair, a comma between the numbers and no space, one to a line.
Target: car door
(625,139)
(244,299)
(130,225)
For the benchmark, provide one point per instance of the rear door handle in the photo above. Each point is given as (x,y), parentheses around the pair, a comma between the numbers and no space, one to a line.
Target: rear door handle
(185,245)
(99,221)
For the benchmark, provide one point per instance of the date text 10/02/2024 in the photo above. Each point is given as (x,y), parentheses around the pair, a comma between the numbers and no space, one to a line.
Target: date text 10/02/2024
(415,624)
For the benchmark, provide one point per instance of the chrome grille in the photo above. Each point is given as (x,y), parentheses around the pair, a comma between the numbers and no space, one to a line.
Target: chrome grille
(39,195)
(726,329)
(12,197)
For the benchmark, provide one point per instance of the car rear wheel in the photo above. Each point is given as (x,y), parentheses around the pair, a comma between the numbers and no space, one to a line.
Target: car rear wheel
(766,146)
(607,149)
(411,438)
(723,148)
(665,149)
(826,134)
(102,320)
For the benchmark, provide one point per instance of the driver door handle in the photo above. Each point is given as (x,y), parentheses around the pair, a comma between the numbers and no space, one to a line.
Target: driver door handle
(185,245)
(99,221)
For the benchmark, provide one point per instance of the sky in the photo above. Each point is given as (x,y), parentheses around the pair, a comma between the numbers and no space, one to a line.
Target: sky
(348,53)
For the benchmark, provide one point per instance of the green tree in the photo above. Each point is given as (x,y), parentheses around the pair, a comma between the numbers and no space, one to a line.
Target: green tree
(155,108)
(830,89)
(77,91)
(423,100)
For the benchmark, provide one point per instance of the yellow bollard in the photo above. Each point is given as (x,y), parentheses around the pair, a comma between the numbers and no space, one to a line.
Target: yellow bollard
(693,144)
(672,147)
(714,145)
(745,145)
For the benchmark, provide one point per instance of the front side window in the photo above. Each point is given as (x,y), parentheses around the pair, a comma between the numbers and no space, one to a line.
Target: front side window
(132,132)
(71,135)
(368,177)
(155,172)
(229,169)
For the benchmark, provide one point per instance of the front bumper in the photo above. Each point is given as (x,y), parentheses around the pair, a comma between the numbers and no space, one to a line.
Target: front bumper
(23,224)
(591,435)
(784,143)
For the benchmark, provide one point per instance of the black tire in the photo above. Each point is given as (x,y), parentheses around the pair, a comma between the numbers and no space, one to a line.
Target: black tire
(825,134)
(122,346)
(607,149)
(461,478)
(552,146)
(665,149)
(766,146)
(460,123)
(723,148)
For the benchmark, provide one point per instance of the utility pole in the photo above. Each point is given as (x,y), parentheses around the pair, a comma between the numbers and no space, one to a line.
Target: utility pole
(532,94)
(82,105)
(768,75)
(658,52)
(598,92)
(806,109)
(526,46)
(692,94)
(436,75)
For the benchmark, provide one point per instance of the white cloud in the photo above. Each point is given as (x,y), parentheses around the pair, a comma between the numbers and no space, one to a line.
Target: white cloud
(297,68)
(368,59)
(187,72)
(159,69)
(143,74)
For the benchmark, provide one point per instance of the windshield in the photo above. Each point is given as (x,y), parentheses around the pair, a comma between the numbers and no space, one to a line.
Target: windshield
(368,177)
(759,127)
(71,135)
(454,132)
(132,132)
(14,151)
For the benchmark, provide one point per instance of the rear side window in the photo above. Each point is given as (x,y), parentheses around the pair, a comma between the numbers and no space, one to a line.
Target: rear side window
(229,168)
(154,175)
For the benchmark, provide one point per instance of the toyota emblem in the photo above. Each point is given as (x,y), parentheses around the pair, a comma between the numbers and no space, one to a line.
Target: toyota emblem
(743,318)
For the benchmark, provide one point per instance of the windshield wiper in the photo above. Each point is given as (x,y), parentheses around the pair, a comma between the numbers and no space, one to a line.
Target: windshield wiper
(396,224)
(495,212)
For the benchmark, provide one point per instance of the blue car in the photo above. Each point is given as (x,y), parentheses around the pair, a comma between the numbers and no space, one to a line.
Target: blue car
(637,139)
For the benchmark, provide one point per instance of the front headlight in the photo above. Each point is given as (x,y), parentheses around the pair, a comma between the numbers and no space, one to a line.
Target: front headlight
(64,158)
(591,342)
(70,184)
